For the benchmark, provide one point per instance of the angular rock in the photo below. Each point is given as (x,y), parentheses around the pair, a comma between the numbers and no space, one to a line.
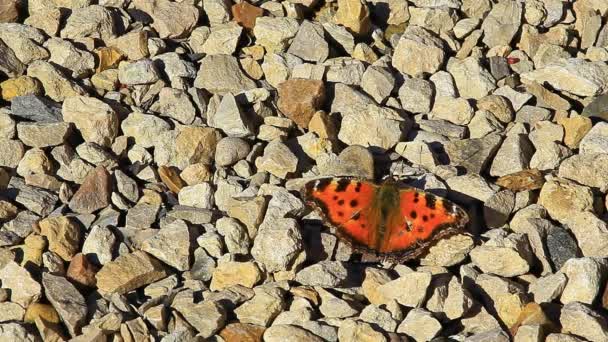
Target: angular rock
(231,273)
(573,75)
(578,319)
(300,99)
(418,52)
(170,19)
(309,43)
(63,235)
(585,278)
(502,23)
(96,120)
(66,299)
(385,128)
(129,272)
(420,325)
(563,198)
(473,154)
(94,192)
(472,80)
(171,245)
(508,257)
(220,74)
(513,155)
(24,289)
(206,317)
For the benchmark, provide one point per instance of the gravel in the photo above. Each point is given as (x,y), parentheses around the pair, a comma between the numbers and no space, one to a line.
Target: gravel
(152,153)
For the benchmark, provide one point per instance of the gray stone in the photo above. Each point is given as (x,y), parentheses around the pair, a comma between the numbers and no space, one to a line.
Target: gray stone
(36,108)
(502,23)
(66,299)
(573,75)
(416,95)
(24,289)
(99,245)
(230,150)
(472,80)
(508,257)
(9,63)
(138,72)
(235,235)
(324,274)
(222,39)
(473,154)
(378,83)
(548,288)
(418,52)
(580,320)
(385,128)
(471,185)
(171,245)
(38,200)
(596,140)
(420,325)
(513,155)
(93,21)
(277,244)
(65,54)
(176,104)
(198,196)
(220,74)
(309,43)
(229,117)
(144,128)
(206,317)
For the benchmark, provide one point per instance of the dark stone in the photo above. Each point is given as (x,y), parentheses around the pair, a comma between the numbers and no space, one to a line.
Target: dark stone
(598,108)
(39,201)
(561,246)
(203,266)
(36,108)
(499,68)
(472,154)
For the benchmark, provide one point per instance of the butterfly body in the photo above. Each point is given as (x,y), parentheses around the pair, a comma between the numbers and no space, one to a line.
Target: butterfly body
(387,219)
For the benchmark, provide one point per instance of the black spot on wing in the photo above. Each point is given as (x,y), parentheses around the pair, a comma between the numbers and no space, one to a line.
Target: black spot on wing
(425,218)
(430,201)
(322,184)
(353,203)
(341,202)
(342,185)
(413,214)
(340,213)
(356,216)
(449,207)
(358,187)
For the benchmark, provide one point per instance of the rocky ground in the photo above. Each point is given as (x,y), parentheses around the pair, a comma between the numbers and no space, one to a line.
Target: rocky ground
(152,152)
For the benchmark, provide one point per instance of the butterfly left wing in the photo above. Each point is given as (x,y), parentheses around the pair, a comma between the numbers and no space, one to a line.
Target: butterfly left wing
(420,219)
(347,204)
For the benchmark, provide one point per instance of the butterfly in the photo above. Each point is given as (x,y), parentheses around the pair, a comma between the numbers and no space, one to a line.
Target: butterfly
(393,221)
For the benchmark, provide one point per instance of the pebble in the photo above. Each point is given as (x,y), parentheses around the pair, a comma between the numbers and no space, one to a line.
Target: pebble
(386,128)
(416,95)
(286,240)
(206,317)
(129,272)
(355,330)
(171,245)
(67,301)
(420,325)
(584,280)
(300,99)
(277,159)
(418,52)
(24,290)
(563,198)
(96,120)
(263,307)
(472,80)
(580,320)
(221,74)
(63,235)
(473,155)
(231,273)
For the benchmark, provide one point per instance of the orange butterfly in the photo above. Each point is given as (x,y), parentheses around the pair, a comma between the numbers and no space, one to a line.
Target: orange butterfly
(397,222)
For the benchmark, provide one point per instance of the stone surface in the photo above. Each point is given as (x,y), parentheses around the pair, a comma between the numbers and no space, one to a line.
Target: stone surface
(129,272)
(66,299)
(94,192)
(418,51)
(300,99)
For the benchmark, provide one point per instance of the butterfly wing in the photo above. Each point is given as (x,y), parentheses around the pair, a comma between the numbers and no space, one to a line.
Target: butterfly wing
(347,204)
(420,219)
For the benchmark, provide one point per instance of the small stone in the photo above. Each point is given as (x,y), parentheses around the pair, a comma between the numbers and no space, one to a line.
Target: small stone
(37,200)
(206,317)
(354,15)
(221,74)
(24,290)
(171,245)
(575,129)
(473,154)
(502,23)
(344,70)
(596,140)
(420,325)
(138,73)
(449,251)
(472,80)
(198,196)
(41,311)
(455,110)
(409,290)
(507,257)
(63,235)
(524,180)
(561,246)
(498,208)
(472,185)
(358,331)
(176,104)
(274,33)
(548,288)
(230,118)
(516,98)
(229,150)
(145,129)
(580,320)
(284,332)
(416,95)
(96,120)
(574,75)
(94,192)
(66,299)
(36,108)
(563,198)
(385,128)
(277,244)
(309,43)
(300,99)
(323,274)
(9,63)
(170,19)
(231,273)
(585,276)
(34,161)
(20,86)
(129,272)
(223,39)
(355,160)
(378,316)
(245,14)
(378,82)
(56,85)
(277,159)
(99,245)
(513,155)
(81,271)
(43,134)
(90,21)
(263,307)
(418,52)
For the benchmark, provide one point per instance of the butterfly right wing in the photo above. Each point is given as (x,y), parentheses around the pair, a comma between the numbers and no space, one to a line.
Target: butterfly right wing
(348,205)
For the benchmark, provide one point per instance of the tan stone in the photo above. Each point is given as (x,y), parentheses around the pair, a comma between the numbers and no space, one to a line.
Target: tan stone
(575,129)
(197,144)
(94,192)
(20,86)
(232,273)
(245,14)
(240,332)
(354,15)
(129,272)
(39,310)
(299,99)
(63,235)
(81,271)
(196,173)
(171,178)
